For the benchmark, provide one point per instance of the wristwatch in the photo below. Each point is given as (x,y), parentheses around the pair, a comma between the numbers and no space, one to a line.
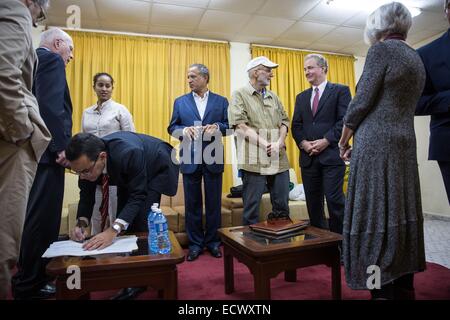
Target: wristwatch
(117,227)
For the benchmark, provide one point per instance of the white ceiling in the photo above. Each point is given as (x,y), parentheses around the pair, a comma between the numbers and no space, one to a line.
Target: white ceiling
(303,24)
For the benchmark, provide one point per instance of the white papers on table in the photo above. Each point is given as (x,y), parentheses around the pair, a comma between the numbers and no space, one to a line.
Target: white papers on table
(71,248)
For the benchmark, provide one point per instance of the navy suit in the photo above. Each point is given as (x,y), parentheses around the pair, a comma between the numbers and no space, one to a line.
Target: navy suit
(322,173)
(194,168)
(43,217)
(435,101)
(142,169)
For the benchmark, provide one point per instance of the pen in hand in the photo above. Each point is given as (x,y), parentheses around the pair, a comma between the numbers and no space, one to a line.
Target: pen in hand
(79,234)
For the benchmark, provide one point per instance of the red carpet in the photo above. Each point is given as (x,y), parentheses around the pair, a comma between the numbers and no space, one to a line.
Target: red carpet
(203,280)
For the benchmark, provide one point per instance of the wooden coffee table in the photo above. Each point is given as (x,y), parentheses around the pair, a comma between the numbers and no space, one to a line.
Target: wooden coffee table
(266,258)
(115,271)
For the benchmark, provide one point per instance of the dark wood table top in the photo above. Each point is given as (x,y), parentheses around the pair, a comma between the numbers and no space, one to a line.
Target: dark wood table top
(138,258)
(255,245)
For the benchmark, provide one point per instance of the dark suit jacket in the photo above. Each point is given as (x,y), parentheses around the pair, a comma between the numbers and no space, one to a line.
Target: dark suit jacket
(136,163)
(435,100)
(184,115)
(326,123)
(52,93)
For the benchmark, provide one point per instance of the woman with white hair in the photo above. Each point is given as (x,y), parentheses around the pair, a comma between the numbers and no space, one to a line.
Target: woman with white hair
(383,224)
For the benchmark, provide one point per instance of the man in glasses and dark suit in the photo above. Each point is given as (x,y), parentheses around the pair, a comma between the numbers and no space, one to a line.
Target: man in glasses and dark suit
(142,167)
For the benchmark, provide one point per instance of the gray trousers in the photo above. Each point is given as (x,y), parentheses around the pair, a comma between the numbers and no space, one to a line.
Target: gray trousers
(17,171)
(253,189)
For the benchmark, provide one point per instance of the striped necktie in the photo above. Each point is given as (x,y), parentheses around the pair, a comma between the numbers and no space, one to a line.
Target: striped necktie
(315,102)
(105,200)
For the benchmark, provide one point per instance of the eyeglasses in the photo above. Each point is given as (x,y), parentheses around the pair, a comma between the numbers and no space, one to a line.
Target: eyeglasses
(85,171)
(43,15)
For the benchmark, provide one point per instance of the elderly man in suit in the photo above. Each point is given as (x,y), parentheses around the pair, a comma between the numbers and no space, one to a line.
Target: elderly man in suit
(199,120)
(43,216)
(142,169)
(316,127)
(435,100)
(23,134)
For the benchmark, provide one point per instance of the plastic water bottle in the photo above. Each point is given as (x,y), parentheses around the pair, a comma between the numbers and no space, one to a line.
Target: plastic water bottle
(162,233)
(152,240)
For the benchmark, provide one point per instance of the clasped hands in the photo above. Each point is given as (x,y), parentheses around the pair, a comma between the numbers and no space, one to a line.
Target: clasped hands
(345,151)
(274,147)
(194,131)
(315,147)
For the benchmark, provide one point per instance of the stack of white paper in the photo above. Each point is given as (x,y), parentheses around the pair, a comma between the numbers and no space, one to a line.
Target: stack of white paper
(72,248)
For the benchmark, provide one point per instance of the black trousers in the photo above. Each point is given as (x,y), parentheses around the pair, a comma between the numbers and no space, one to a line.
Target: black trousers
(192,186)
(445,171)
(41,228)
(253,188)
(320,180)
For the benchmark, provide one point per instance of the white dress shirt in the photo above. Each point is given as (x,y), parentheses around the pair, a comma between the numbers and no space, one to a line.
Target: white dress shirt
(201,103)
(321,90)
(107,118)
(96,218)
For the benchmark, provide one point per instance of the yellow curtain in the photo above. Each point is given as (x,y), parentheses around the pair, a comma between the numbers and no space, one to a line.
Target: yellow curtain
(289,80)
(149,73)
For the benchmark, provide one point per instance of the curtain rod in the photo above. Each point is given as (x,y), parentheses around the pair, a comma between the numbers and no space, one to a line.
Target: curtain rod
(140,34)
(306,50)
(192,39)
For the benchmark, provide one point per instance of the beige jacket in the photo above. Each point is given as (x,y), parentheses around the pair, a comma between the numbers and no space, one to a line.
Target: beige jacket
(19,110)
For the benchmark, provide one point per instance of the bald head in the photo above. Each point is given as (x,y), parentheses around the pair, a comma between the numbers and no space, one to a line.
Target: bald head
(58,41)
(50,35)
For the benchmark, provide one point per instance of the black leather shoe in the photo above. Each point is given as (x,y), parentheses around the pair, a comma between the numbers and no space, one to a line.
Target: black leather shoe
(46,292)
(215,252)
(128,293)
(192,255)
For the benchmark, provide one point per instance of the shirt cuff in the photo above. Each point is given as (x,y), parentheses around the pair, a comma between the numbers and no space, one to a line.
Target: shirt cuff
(122,222)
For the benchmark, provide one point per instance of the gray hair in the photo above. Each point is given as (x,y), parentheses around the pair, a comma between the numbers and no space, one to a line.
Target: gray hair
(251,72)
(43,3)
(320,59)
(390,18)
(202,69)
(50,35)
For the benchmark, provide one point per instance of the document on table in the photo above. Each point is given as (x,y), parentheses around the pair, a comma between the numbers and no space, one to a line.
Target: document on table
(71,248)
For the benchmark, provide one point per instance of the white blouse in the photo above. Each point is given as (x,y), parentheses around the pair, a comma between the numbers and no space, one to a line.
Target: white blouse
(108,118)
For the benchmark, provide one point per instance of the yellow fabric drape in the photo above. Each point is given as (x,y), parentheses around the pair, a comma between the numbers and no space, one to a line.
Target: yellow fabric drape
(289,80)
(149,73)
